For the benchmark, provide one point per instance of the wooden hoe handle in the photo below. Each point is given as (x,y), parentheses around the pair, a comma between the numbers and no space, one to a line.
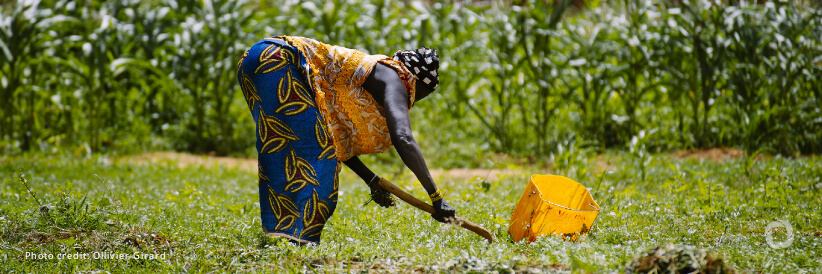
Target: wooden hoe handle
(430,209)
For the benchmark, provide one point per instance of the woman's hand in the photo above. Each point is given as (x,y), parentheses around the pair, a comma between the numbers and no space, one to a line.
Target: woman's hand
(443,212)
(379,195)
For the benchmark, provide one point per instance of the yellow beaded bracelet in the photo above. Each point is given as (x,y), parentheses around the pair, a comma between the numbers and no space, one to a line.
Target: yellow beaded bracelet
(436,196)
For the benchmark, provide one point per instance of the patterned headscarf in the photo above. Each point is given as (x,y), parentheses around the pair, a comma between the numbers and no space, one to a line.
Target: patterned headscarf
(423,62)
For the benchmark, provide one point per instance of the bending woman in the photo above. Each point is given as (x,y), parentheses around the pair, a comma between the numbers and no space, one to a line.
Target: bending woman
(316,105)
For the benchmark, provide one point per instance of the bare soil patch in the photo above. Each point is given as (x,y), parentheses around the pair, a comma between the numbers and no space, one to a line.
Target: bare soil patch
(471,173)
(600,162)
(185,160)
(714,154)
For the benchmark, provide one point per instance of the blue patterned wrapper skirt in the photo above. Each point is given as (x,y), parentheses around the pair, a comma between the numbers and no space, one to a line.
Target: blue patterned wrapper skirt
(297,163)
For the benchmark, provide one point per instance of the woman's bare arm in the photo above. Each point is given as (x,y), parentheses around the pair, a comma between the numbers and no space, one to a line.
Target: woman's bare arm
(386,86)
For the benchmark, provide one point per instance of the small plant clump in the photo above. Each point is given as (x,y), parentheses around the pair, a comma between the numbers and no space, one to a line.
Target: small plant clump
(673,258)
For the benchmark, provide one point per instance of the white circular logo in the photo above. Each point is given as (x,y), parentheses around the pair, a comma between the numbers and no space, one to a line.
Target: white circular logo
(788,232)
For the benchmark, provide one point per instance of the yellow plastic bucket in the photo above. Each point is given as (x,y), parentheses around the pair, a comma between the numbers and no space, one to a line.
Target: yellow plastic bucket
(553,205)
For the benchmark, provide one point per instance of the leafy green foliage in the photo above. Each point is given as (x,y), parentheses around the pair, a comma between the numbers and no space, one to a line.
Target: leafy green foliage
(520,79)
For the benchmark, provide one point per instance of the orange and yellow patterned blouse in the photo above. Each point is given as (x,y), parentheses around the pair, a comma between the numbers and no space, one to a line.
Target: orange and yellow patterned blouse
(356,120)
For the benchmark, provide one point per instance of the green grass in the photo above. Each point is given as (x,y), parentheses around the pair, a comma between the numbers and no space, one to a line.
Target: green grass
(206,218)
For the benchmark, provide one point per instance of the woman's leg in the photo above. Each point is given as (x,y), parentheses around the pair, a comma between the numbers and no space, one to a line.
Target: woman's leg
(297,166)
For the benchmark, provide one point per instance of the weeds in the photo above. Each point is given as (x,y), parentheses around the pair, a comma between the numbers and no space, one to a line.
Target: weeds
(210,220)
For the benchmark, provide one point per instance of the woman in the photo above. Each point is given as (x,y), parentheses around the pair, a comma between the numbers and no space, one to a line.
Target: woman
(316,105)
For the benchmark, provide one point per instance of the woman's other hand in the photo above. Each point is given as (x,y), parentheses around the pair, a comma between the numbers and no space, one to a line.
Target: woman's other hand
(379,195)
(443,212)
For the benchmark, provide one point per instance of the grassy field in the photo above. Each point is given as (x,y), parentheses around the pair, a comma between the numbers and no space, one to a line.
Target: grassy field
(205,217)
